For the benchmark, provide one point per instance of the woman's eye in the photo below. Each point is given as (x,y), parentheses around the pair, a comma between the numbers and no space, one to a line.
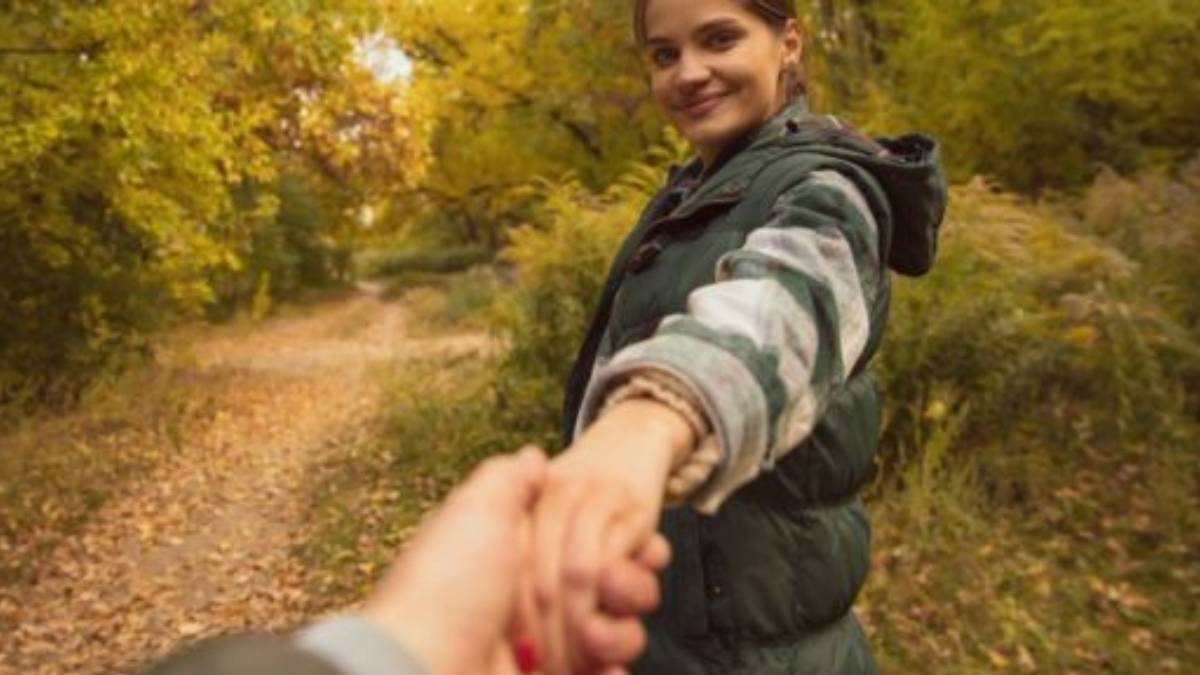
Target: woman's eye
(662,57)
(722,39)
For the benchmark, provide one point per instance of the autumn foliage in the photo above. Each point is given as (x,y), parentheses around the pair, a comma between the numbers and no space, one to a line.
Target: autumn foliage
(147,150)
(1035,503)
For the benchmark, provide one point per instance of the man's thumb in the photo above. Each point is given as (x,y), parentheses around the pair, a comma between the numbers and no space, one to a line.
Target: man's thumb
(509,482)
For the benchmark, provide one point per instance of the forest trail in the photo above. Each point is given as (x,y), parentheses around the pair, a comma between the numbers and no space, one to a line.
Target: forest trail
(202,546)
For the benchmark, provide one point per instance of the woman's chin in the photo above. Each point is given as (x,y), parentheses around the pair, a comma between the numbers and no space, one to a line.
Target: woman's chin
(706,137)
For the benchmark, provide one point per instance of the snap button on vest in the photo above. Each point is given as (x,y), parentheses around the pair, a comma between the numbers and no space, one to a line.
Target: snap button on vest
(645,256)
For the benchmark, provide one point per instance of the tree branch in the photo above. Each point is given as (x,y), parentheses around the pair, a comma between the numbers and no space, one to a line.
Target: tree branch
(86,50)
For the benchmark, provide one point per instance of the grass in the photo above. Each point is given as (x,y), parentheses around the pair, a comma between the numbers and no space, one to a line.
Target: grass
(1098,576)
(447,302)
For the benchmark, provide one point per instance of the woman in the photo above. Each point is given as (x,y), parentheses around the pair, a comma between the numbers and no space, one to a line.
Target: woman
(725,373)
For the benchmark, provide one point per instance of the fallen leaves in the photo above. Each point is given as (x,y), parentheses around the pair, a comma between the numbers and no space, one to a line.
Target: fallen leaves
(202,546)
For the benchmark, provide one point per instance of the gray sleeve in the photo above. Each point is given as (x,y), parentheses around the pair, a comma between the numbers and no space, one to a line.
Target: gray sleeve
(783,324)
(355,646)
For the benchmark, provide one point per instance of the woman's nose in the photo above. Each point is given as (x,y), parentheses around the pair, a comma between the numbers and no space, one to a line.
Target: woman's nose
(692,70)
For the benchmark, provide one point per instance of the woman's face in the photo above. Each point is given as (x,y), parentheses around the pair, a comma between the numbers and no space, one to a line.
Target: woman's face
(715,68)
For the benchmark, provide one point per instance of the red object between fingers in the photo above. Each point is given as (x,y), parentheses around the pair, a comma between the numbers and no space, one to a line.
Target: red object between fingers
(529,657)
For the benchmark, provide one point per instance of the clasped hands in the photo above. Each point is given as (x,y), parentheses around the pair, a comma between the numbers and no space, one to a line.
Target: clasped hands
(542,566)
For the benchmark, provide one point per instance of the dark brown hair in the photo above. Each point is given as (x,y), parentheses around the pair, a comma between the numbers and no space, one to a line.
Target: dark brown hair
(776,13)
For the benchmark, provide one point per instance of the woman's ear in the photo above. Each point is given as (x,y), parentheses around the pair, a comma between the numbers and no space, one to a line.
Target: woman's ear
(793,42)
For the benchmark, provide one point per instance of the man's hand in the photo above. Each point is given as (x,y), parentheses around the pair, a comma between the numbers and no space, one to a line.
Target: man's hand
(451,599)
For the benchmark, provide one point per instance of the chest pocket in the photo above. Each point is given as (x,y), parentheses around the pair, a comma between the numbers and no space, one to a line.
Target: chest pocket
(663,273)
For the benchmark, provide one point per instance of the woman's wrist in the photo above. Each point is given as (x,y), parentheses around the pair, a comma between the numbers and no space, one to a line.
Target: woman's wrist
(645,431)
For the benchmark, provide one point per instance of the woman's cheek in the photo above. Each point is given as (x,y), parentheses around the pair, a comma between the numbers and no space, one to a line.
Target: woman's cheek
(659,90)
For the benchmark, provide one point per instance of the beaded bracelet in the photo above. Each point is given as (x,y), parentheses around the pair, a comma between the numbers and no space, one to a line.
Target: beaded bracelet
(704,457)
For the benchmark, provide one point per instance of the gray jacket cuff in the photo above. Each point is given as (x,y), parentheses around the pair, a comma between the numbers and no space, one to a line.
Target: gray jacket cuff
(355,646)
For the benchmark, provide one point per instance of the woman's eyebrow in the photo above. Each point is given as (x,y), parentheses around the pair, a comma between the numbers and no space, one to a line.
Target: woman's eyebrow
(702,29)
(717,24)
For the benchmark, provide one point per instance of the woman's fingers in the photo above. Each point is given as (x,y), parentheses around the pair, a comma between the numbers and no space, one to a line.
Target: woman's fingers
(628,588)
(588,519)
(656,554)
(629,536)
(611,532)
(583,560)
(613,641)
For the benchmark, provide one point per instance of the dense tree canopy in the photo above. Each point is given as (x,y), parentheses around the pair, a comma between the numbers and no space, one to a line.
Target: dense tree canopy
(1036,94)
(139,146)
(520,90)
(158,157)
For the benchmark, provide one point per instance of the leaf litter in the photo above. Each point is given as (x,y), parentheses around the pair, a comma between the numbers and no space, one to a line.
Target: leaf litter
(203,545)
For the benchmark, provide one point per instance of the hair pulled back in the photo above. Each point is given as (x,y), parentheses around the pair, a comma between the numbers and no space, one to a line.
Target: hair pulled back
(776,13)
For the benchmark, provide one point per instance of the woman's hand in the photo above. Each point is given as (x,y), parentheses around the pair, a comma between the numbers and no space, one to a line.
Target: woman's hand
(600,503)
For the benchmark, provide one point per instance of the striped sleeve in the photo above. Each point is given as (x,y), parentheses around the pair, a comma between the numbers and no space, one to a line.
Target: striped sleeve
(783,324)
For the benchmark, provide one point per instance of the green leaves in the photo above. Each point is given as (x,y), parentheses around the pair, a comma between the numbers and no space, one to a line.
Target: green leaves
(1035,94)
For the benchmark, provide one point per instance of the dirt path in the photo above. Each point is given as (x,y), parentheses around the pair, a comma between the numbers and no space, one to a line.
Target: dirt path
(202,546)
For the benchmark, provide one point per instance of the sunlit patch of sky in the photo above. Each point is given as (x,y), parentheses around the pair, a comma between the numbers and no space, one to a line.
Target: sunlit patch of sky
(384,58)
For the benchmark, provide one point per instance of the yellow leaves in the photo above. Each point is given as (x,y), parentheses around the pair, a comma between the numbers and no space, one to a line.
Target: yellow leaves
(1142,639)
(1081,337)
(520,91)
(190,629)
(1025,660)
(936,411)
(263,21)
(1121,596)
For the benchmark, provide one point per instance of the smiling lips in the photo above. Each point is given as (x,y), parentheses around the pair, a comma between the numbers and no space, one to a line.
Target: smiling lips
(701,107)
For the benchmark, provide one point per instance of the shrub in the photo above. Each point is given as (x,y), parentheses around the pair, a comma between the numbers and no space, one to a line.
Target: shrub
(1035,94)
(1155,219)
(1039,479)
(436,261)
(1021,317)
(1036,470)
(289,252)
(560,265)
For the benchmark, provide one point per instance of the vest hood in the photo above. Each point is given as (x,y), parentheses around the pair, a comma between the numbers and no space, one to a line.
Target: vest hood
(911,174)
(908,169)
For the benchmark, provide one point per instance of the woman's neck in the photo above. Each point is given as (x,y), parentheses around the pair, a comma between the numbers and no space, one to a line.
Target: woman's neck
(711,158)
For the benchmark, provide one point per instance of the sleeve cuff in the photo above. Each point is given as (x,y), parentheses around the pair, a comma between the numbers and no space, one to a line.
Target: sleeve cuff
(355,646)
(727,391)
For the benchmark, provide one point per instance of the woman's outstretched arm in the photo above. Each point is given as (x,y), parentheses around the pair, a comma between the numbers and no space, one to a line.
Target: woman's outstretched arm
(761,349)
(758,352)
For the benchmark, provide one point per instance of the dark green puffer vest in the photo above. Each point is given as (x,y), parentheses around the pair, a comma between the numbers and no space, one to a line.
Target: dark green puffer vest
(765,586)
